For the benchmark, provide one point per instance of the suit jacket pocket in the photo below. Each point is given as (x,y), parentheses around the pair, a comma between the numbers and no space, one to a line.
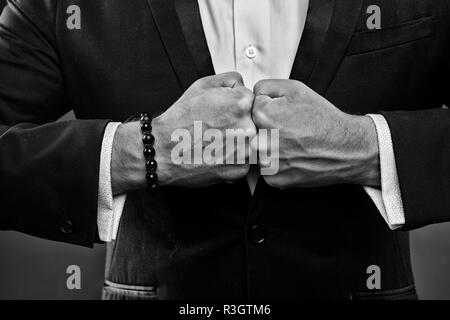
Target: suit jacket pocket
(406,293)
(391,36)
(115,291)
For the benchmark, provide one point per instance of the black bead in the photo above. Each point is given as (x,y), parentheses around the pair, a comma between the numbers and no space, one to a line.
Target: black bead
(151,188)
(151,177)
(146,127)
(151,165)
(149,152)
(148,138)
(145,117)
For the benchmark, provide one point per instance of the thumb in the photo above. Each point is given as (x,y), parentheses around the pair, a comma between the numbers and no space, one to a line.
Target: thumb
(228,79)
(270,88)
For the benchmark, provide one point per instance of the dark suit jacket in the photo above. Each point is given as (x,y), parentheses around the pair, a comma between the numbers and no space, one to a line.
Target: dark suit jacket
(131,56)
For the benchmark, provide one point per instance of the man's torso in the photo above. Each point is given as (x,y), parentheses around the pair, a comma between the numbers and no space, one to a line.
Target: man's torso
(221,242)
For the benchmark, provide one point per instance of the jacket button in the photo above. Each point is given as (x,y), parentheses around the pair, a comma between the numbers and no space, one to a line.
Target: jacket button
(67,227)
(257,234)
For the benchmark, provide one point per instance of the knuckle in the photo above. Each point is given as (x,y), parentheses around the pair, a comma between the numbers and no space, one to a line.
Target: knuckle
(258,116)
(241,101)
(262,102)
(235,172)
(298,87)
(274,182)
(242,171)
(248,94)
(231,78)
(299,84)
(244,103)
(203,82)
(234,75)
(250,131)
(259,86)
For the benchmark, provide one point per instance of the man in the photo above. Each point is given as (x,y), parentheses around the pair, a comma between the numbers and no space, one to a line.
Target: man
(311,230)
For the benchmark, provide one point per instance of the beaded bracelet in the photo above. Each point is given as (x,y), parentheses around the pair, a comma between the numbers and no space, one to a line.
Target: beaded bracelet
(149,152)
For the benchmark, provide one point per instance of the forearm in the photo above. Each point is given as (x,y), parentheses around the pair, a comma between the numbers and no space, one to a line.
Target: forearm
(363,153)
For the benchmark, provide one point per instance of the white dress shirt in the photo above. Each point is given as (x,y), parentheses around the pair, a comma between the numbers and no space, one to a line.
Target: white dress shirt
(259,39)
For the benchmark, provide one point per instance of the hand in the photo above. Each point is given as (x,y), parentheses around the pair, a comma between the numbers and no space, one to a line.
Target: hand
(319,145)
(220,102)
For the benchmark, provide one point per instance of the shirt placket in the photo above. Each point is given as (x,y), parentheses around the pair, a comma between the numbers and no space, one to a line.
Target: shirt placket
(252,32)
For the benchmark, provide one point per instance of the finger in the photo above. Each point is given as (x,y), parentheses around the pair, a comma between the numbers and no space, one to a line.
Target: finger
(263,146)
(228,79)
(260,101)
(231,80)
(244,100)
(246,94)
(276,88)
(270,88)
(249,128)
(259,115)
(244,135)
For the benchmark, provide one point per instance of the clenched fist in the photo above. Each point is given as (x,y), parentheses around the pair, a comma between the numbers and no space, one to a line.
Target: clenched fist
(318,143)
(212,105)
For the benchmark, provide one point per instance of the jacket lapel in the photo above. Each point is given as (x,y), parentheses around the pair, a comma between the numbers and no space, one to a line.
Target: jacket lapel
(328,30)
(169,28)
(191,23)
(329,27)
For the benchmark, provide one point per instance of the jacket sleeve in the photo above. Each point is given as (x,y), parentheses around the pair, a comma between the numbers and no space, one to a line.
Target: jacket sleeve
(421,142)
(48,170)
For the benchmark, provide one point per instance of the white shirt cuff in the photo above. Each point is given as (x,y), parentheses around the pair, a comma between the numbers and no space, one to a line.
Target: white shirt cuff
(388,200)
(109,208)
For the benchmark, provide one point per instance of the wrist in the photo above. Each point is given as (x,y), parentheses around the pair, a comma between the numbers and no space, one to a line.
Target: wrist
(127,161)
(163,149)
(128,171)
(367,171)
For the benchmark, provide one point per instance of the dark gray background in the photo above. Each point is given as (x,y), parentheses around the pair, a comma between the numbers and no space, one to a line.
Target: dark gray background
(32,268)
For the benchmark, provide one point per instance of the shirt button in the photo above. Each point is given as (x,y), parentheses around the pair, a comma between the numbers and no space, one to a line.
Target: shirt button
(251,52)
(67,227)
(257,234)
